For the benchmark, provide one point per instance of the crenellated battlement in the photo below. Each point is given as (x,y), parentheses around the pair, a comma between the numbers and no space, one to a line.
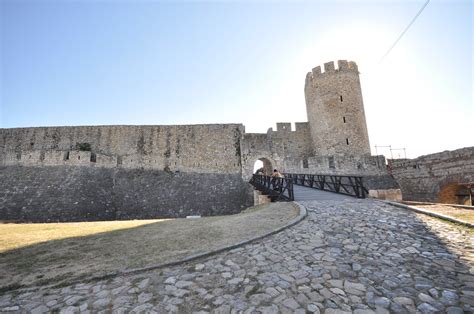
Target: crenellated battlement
(301,126)
(329,68)
(285,128)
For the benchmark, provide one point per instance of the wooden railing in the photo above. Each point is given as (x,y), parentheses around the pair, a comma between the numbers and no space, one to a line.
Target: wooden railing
(348,185)
(279,189)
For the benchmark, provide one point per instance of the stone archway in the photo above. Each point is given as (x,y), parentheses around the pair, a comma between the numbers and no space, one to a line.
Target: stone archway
(248,163)
(454,193)
(267,165)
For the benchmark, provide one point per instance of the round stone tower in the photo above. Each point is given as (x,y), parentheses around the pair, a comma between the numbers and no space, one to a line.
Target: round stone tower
(336,111)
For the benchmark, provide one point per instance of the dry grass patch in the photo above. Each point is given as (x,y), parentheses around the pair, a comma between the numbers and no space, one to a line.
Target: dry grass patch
(463,214)
(14,236)
(36,254)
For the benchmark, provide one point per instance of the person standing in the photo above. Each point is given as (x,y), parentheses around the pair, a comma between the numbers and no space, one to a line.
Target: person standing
(277,174)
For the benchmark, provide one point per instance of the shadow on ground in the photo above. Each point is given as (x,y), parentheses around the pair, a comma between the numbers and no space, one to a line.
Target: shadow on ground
(60,261)
(405,261)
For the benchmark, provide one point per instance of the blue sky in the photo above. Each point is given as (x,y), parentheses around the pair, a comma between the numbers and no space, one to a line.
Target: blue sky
(150,62)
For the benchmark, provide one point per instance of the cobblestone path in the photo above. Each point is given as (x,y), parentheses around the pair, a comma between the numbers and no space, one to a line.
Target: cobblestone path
(358,256)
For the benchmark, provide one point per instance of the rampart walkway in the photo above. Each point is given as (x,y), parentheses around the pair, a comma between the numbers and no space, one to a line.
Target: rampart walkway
(348,256)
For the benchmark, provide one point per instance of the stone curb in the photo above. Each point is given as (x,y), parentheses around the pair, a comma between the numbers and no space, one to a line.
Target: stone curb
(428,203)
(429,213)
(301,216)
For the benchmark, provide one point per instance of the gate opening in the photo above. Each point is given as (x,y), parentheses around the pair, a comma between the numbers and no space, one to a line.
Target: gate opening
(264,165)
(457,193)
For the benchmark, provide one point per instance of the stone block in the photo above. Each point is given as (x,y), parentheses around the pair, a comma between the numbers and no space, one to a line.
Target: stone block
(389,195)
(263,199)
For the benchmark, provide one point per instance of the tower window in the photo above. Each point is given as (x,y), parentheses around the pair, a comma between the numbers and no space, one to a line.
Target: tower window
(340,97)
(344,119)
(331,162)
(93,157)
(305,163)
(347,141)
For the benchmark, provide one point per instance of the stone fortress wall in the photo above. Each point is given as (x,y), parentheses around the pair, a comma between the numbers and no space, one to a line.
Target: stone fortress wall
(213,148)
(291,151)
(129,172)
(123,172)
(428,177)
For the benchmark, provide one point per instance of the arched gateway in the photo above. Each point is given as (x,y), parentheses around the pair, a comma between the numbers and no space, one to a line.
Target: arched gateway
(264,163)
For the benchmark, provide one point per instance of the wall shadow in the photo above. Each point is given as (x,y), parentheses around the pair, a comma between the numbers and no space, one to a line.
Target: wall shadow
(403,254)
(64,260)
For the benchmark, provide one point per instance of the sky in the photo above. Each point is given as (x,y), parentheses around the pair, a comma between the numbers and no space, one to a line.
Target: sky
(87,62)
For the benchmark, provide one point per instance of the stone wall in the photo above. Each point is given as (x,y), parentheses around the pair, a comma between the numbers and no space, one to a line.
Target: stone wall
(339,165)
(292,152)
(121,172)
(278,146)
(422,178)
(71,193)
(209,148)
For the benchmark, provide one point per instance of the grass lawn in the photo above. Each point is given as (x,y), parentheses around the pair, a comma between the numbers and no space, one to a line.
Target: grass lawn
(38,254)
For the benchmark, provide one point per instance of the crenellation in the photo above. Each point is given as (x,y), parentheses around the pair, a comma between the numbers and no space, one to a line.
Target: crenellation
(316,71)
(283,126)
(38,158)
(353,66)
(301,126)
(342,65)
(329,67)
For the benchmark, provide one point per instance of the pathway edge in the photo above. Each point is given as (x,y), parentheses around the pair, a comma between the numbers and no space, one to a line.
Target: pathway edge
(303,213)
(429,213)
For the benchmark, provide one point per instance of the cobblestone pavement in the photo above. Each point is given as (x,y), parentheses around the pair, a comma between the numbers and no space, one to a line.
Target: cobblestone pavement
(358,256)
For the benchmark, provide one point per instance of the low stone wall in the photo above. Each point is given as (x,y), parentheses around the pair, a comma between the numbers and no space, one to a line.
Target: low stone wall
(389,195)
(423,178)
(380,182)
(68,193)
(259,198)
